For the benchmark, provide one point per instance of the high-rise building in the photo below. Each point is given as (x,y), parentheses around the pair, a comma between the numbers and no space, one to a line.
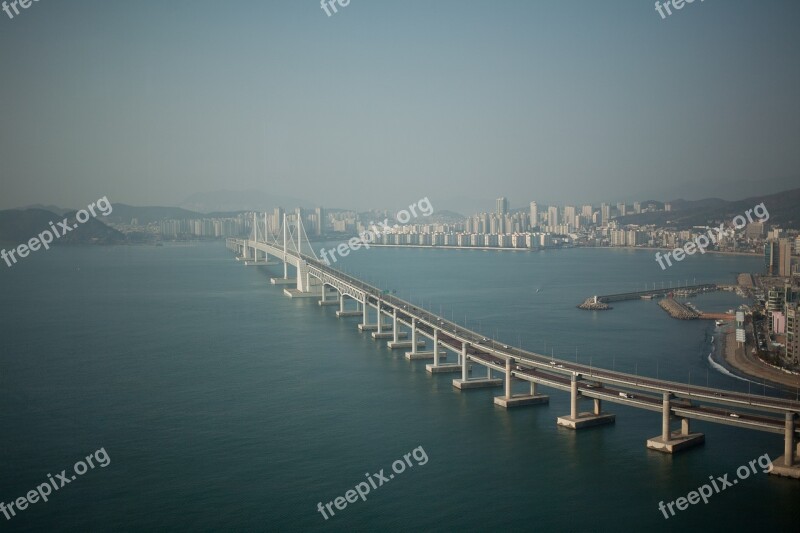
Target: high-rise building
(552,216)
(569,215)
(771,252)
(605,213)
(502,206)
(622,209)
(637,207)
(587,211)
(319,227)
(755,229)
(785,258)
(534,215)
(277,219)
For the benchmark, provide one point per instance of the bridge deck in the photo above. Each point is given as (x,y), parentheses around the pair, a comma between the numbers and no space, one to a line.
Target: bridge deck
(701,403)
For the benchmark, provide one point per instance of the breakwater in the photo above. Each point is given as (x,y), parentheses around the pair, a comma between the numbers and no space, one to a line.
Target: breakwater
(595,303)
(678,310)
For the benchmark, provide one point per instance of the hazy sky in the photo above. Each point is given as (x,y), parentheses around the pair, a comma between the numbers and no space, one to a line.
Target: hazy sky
(386,102)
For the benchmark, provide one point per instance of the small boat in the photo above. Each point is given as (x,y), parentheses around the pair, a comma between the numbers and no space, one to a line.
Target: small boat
(720,323)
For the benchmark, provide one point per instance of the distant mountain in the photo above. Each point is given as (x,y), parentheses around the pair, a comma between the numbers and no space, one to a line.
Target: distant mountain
(123,214)
(228,201)
(706,203)
(783,208)
(51,208)
(18,226)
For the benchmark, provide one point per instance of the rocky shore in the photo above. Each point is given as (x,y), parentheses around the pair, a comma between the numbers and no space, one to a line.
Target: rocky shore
(591,305)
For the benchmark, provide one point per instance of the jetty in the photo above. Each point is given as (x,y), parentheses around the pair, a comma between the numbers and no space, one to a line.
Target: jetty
(678,310)
(596,303)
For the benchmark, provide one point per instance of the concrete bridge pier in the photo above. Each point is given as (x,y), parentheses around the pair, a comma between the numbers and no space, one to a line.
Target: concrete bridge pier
(477,383)
(260,258)
(510,400)
(673,441)
(396,343)
(365,325)
(577,420)
(414,343)
(391,327)
(788,465)
(304,288)
(437,367)
(285,280)
(324,300)
(342,312)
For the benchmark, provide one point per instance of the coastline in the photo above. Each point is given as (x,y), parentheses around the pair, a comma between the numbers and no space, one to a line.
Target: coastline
(726,351)
(545,248)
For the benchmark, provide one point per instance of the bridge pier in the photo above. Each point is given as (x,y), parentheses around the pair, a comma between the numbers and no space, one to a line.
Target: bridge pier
(414,344)
(341,313)
(478,383)
(396,343)
(673,441)
(366,326)
(577,420)
(437,367)
(325,301)
(392,328)
(510,400)
(788,465)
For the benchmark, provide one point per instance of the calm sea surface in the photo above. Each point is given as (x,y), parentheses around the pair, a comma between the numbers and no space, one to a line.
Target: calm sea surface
(225,406)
